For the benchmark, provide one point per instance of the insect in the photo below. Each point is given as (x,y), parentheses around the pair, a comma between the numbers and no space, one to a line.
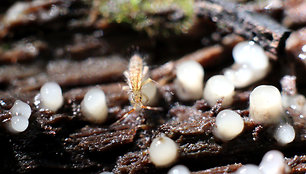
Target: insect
(137,76)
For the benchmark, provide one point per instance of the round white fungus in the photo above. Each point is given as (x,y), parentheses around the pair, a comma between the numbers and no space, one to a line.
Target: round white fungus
(266,104)
(179,169)
(163,151)
(51,96)
(18,124)
(251,64)
(284,134)
(189,80)
(248,169)
(218,87)
(251,54)
(94,107)
(273,163)
(150,91)
(240,75)
(228,125)
(21,108)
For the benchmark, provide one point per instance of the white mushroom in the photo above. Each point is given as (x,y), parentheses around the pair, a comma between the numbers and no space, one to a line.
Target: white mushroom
(51,96)
(18,124)
(21,108)
(239,75)
(228,125)
(94,107)
(189,80)
(273,162)
(150,91)
(248,169)
(284,134)
(179,169)
(218,87)
(266,104)
(250,53)
(251,64)
(21,112)
(163,151)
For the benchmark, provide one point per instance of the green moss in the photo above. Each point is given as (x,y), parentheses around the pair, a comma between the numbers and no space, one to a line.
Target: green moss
(154,16)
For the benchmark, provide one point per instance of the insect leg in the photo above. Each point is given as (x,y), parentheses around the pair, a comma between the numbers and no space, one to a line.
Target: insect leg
(124,116)
(152,108)
(145,72)
(146,82)
(126,74)
(125,88)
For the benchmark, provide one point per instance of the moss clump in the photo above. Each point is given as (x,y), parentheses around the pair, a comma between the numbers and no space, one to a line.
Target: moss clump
(154,16)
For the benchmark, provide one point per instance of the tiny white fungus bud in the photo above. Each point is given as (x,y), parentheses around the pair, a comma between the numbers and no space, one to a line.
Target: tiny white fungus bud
(163,151)
(189,80)
(18,124)
(21,108)
(251,64)
(284,134)
(273,163)
(240,77)
(266,104)
(229,124)
(94,107)
(218,87)
(179,169)
(251,54)
(150,91)
(248,169)
(51,96)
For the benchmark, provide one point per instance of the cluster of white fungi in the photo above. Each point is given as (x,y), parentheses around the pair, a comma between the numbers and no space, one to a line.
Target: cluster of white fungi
(21,113)
(273,162)
(266,102)
(266,106)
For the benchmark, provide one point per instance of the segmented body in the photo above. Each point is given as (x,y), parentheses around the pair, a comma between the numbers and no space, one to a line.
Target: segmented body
(135,73)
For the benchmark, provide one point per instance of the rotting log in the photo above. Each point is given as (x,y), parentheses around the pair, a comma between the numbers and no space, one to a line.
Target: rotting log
(251,25)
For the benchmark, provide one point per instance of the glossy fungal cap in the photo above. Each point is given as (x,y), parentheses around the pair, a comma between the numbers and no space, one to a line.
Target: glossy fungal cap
(179,169)
(163,151)
(284,134)
(51,96)
(18,124)
(266,104)
(189,80)
(273,163)
(21,108)
(251,54)
(218,87)
(228,125)
(248,169)
(94,107)
(240,75)
(150,91)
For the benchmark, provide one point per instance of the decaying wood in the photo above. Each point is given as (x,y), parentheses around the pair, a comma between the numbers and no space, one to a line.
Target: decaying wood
(253,26)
